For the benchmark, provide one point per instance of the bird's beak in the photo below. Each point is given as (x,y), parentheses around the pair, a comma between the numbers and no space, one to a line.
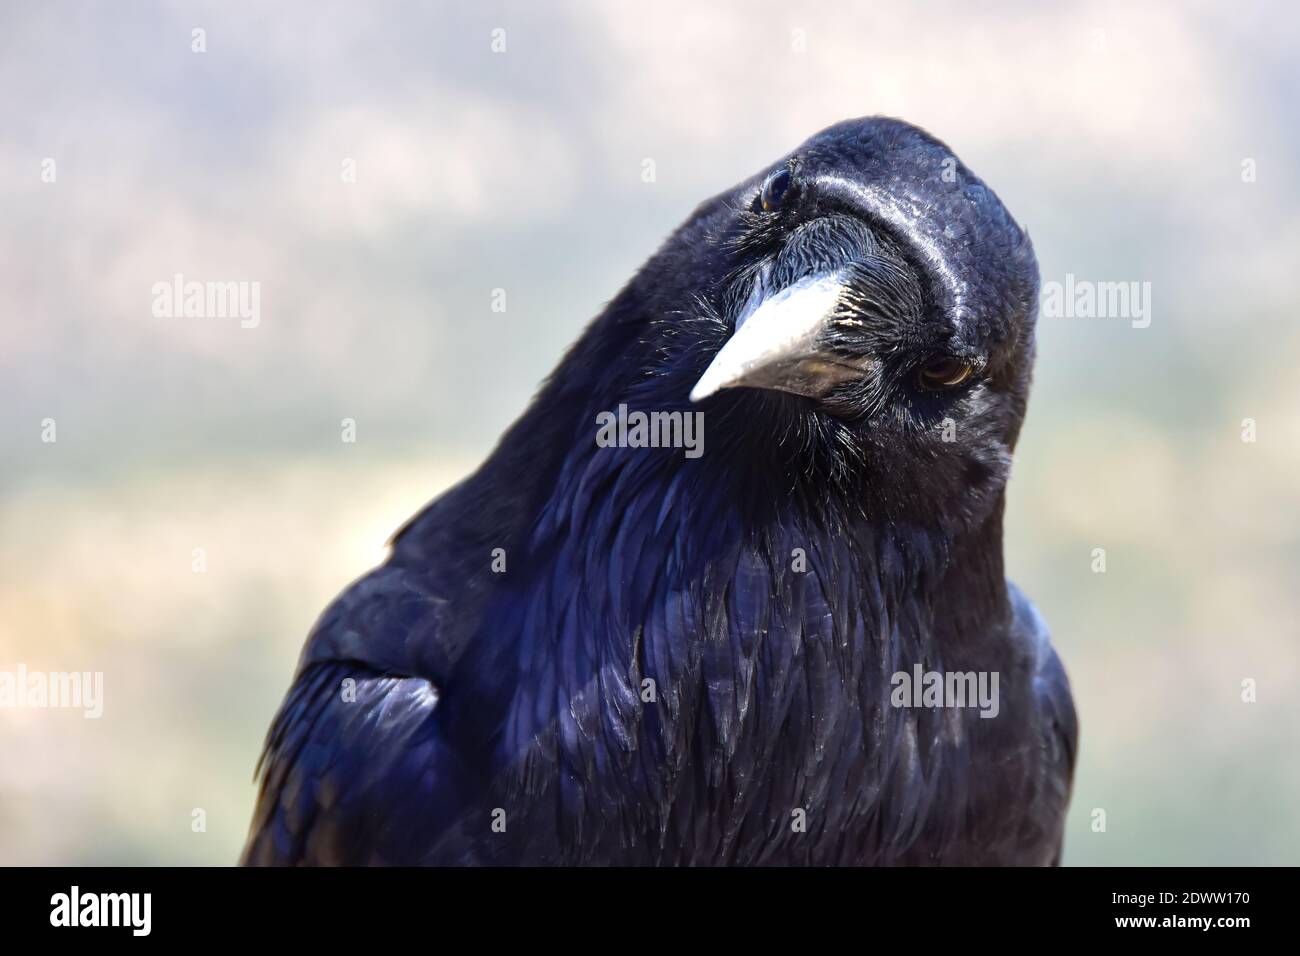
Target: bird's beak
(778,343)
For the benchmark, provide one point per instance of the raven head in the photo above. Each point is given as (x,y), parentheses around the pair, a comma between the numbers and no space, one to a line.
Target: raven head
(874,315)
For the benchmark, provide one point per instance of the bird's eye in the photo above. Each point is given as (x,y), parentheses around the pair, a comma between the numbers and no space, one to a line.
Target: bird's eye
(774,190)
(945,371)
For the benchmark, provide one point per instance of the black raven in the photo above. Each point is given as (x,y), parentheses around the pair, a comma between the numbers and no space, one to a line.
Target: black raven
(618,652)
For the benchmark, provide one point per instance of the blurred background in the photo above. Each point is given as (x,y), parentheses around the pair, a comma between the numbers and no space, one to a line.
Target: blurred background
(1154,144)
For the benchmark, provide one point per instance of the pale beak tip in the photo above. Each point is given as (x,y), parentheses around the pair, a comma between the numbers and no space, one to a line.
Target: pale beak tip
(710,383)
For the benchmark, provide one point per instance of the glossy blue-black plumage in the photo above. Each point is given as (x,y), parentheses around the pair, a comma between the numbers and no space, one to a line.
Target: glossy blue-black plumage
(446,711)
